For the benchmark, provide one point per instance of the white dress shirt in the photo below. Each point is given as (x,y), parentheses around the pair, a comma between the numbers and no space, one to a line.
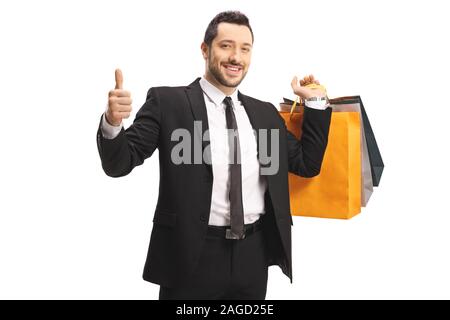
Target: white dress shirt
(254,185)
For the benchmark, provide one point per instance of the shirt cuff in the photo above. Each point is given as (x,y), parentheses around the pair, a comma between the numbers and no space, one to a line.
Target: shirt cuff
(110,131)
(319,105)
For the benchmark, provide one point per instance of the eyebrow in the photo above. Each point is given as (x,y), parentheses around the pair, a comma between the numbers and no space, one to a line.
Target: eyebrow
(232,41)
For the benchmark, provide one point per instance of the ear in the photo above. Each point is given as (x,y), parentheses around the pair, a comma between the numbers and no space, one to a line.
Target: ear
(205,50)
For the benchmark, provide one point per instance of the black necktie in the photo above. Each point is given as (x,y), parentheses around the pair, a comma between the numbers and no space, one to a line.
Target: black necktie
(235,194)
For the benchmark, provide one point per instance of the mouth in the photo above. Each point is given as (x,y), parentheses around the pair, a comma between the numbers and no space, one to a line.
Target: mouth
(233,70)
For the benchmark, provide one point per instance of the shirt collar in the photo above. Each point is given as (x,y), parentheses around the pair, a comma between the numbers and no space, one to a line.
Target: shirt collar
(215,95)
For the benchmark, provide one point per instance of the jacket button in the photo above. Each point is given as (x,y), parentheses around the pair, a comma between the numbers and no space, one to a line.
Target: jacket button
(203,218)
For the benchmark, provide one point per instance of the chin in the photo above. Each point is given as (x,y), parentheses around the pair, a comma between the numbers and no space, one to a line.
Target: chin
(234,83)
(231,82)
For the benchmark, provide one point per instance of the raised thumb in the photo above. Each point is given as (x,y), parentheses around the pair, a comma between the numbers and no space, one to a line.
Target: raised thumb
(119,79)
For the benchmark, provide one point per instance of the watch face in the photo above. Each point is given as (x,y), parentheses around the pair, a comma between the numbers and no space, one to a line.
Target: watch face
(316,99)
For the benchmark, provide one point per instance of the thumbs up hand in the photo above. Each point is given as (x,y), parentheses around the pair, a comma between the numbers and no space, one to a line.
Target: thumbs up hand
(119,102)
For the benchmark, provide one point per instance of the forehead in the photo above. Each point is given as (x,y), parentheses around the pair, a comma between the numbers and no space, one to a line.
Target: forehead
(233,32)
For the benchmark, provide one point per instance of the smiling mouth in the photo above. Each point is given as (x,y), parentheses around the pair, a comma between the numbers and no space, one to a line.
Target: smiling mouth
(233,69)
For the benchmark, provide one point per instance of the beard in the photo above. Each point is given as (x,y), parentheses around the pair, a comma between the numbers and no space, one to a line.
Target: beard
(214,69)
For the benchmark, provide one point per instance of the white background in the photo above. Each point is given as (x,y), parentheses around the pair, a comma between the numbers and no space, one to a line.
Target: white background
(69,231)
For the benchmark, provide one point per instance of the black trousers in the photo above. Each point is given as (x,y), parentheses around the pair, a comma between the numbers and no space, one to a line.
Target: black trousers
(228,270)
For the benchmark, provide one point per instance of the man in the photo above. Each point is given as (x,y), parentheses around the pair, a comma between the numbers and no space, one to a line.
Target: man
(218,225)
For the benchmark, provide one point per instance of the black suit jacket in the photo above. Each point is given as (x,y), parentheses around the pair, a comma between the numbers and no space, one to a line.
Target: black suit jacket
(183,207)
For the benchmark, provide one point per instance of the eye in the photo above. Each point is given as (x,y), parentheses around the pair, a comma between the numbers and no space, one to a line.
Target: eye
(225,46)
(246,49)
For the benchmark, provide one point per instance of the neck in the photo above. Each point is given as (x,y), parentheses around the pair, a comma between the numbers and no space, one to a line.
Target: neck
(226,90)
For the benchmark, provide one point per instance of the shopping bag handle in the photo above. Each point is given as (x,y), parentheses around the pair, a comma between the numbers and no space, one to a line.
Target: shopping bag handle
(297,100)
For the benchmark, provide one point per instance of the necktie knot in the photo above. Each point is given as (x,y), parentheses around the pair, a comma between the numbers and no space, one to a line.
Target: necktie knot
(228,102)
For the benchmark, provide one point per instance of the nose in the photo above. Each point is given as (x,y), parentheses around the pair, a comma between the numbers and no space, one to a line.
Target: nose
(235,57)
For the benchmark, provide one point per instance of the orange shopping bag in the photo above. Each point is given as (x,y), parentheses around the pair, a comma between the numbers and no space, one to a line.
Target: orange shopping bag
(336,191)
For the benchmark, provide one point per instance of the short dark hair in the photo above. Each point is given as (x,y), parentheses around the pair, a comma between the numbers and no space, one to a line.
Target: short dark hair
(234,17)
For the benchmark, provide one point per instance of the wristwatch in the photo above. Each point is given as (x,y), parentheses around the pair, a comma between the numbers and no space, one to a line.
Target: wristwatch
(317,99)
(317,103)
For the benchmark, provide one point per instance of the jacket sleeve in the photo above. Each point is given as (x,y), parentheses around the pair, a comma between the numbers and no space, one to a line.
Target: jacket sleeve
(305,155)
(132,146)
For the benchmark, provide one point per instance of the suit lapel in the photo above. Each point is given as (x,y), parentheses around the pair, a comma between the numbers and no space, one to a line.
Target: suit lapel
(257,121)
(251,109)
(198,107)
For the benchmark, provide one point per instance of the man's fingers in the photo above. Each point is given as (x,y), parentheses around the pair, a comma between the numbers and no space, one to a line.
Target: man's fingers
(119,93)
(124,100)
(121,108)
(308,80)
(125,115)
(121,115)
(119,79)
(120,100)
